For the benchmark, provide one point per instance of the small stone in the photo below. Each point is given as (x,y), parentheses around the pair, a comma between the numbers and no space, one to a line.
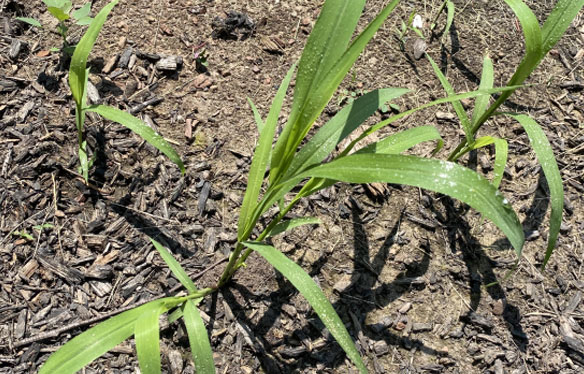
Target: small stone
(405,308)
(109,66)
(445,116)
(421,327)
(498,307)
(169,63)
(122,42)
(380,347)
(419,48)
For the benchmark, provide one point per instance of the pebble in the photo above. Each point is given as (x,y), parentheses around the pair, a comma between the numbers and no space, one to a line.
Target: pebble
(445,116)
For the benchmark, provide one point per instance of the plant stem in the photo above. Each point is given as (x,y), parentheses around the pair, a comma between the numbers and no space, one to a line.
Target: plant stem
(433,24)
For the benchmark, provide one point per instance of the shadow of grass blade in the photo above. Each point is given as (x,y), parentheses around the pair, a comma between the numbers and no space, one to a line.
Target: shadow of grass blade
(460,112)
(315,297)
(558,21)
(147,336)
(77,74)
(292,224)
(404,140)
(340,126)
(435,175)
(487,80)
(261,157)
(175,267)
(545,156)
(198,339)
(96,341)
(301,122)
(140,128)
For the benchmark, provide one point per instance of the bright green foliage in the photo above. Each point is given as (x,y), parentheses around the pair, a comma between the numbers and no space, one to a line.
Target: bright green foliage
(304,283)
(327,57)
(99,339)
(545,156)
(78,75)
(198,339)
(61,10)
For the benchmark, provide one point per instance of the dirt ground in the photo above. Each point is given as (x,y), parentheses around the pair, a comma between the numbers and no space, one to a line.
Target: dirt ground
(405,269)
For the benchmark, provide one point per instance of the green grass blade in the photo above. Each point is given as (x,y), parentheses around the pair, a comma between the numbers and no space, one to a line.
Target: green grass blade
(340,126)
(501,154)
(404,140)
(30,21)
(96,341)
(175,267)
(261,157)
(545,156)
(302,118)
(198,339)
(449,16)
(558,22)
(533,55)
(277,192)
(327,42)
(316,298)
(256,116)
(147,336)
(140,128)
(440,176)
(292,224)
(460,112)
(487,80)
(77,73)
(82,12)
(58,13)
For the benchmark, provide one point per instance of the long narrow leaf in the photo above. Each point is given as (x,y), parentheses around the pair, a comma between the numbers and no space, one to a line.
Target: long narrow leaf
(397,143)
(198,339)
(298,127)
(140,128)
(306,286)
(277,192)
(147,335)
(501,153)
(261,157)
(545,156)
(533,55)
(558,22)
(326,43)
(96,341)
(292,224)
(449,16)
(440,176)
(460,112)
(77,73)
(256,115)
(175,267)
(340,126)
(30,21)
(487,79)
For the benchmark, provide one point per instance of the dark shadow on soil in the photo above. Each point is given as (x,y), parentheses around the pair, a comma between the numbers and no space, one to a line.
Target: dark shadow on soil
(480,268)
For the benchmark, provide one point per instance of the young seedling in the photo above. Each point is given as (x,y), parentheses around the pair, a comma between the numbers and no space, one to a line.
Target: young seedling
(326,59)
(415,24)
(78,75)
(62,11)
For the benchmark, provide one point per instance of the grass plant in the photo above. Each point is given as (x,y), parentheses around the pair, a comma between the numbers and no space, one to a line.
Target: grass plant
(78,75)
(62,11)
(327,58)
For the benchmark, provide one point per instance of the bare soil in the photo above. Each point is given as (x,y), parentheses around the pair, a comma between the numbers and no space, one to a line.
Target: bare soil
(406,269)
